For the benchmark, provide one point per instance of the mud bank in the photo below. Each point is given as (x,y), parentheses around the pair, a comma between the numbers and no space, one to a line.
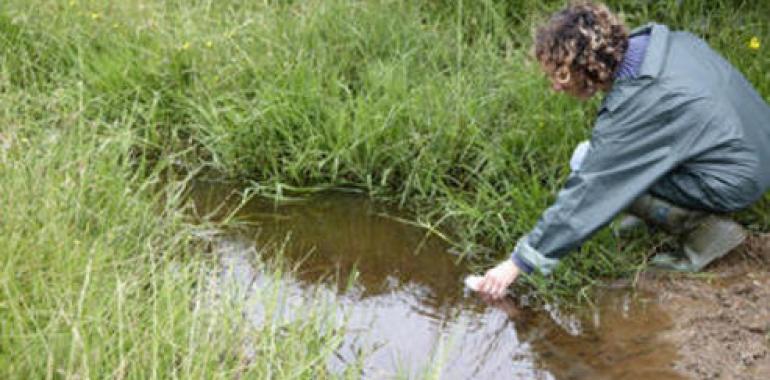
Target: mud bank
(720,320)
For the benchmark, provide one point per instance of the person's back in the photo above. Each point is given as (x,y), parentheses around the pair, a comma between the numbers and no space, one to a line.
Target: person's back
(732,151)
(734,96)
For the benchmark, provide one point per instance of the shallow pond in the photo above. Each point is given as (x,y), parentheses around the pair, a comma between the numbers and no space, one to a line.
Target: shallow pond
(407,307)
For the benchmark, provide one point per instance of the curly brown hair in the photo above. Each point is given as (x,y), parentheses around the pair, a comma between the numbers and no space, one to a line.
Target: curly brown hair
(581,47)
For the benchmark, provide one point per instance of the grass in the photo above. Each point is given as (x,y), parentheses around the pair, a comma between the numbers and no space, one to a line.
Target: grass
(432,104)
(101,276)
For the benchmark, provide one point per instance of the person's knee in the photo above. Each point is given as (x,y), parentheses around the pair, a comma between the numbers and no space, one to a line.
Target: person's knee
(579,155)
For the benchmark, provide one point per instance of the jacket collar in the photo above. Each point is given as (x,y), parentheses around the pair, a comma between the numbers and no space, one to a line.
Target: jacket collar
(652,65)
(656,50)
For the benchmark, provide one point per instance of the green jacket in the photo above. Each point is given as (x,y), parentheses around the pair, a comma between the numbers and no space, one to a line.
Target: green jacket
(689,124)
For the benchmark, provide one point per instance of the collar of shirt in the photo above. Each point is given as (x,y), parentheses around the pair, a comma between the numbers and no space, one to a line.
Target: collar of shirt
(632,60)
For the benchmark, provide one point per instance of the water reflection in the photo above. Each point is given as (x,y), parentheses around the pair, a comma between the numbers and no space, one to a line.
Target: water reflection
(407,307)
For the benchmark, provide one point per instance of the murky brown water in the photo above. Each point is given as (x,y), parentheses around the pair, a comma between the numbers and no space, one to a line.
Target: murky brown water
(407,306)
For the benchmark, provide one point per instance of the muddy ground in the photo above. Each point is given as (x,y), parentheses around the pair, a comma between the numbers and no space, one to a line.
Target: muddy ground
(720,319)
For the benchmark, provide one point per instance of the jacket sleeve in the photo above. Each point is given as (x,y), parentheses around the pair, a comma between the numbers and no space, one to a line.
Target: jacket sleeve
(619,167)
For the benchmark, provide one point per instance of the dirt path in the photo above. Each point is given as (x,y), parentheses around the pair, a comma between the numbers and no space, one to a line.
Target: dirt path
(721,320)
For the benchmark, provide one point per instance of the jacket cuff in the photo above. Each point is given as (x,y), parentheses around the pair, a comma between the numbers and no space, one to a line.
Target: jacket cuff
(522,265)
(529,259)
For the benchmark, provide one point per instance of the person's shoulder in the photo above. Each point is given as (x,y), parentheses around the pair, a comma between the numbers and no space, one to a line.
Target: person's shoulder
(681,39)
(685,36)
(632,106)
(626,95)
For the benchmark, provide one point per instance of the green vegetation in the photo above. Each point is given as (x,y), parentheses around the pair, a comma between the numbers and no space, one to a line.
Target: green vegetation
(433,104)
(100,275)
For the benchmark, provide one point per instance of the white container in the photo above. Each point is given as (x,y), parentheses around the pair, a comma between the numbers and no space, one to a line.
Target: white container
(472,282)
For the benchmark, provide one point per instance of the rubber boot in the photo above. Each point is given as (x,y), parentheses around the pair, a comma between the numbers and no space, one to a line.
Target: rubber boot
(704,237)
(712,239)
(665,215)
(627,226)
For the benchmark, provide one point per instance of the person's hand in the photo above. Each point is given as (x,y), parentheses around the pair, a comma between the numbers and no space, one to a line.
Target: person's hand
(496,281)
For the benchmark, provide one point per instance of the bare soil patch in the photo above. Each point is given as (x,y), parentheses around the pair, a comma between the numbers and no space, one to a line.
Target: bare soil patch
(721,318)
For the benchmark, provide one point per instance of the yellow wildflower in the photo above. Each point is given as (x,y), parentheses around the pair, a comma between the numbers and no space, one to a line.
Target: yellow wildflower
(186,46)
(754,43)
(209,44)
(95,16)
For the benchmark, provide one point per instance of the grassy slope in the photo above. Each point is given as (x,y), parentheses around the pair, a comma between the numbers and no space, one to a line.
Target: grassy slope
(433,104)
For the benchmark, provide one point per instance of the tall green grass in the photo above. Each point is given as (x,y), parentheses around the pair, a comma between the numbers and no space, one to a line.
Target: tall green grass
(434,105)
(100,273)
(101,277)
